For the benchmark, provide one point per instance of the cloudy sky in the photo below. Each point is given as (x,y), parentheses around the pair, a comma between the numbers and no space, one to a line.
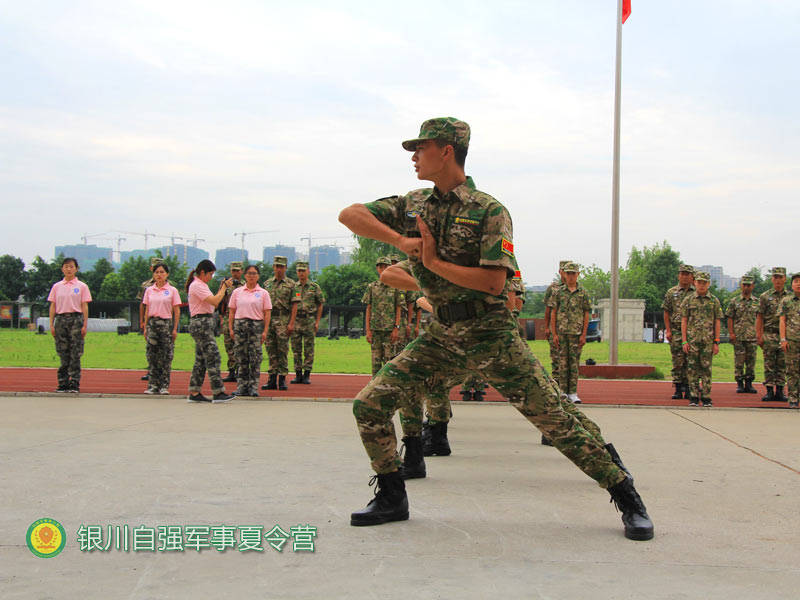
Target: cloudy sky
(208,118)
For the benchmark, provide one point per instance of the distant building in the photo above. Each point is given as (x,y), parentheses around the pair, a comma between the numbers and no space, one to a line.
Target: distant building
(186,254)
(86,254)
(323,256)
(127,254)
(345,258)
(720,279)
(226,256)
(270,252)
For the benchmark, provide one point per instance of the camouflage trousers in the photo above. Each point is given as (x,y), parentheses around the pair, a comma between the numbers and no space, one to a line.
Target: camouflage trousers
(278,345)
(679,364)
(435,403)
(473,382)
(69,345)
(383,350)
(774,360)
(744,359)
(248,351)
(206,354)
(402,341)
(230,345)
(569,359)
(698,369)
(490,346)
(554,358)
(303,343)
(793,370)
(160,349)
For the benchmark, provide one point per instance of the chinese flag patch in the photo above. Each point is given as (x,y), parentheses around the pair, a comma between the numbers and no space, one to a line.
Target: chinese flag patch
(508,247)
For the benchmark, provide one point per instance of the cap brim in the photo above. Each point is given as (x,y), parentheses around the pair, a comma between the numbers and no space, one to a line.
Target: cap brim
(411,145)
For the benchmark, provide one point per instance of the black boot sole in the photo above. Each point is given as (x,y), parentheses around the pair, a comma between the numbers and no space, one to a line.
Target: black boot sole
(374,520)
(639,535)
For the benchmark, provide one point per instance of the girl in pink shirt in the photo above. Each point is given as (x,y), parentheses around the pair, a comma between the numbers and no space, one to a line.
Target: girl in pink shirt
(162,314)
(201,327)
(69,315)
(248,319)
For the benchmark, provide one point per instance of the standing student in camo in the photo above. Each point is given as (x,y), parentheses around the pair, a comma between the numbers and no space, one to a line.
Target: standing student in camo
(201,327)
(249,311)
(161,316)
(69,316)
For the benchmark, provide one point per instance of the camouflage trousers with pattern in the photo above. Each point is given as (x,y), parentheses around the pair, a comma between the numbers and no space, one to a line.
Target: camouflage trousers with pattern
(69,346)
(230,345)
(774,360)
(401,343)
(382,349)
(206,354)
(492,347)
(278,344)
(698,369)
(160,349)
(554,358)
(303,343)
(679,365)
(569,359)
(248,352)
(434,403)
(793,370)
(744,359)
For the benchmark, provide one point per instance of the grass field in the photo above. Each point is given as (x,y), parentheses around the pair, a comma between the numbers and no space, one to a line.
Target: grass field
(112,351)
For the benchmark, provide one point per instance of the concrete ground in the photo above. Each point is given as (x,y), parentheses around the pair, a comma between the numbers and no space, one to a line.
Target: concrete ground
(502,517)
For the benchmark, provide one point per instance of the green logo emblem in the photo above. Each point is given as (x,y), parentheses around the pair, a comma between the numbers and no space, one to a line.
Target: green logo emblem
(46,538)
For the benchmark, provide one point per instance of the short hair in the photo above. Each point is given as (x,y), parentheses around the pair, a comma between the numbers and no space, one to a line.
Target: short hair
(252,267)
(164,266)
(459,152)
(70,259)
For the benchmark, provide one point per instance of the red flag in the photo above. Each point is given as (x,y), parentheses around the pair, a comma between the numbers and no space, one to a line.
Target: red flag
(626,9)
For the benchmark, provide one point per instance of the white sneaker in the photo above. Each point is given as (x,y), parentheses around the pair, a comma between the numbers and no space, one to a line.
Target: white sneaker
(150,391)
(164,391)
(574,398)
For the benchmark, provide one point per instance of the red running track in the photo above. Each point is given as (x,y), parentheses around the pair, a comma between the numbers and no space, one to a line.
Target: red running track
(326,386)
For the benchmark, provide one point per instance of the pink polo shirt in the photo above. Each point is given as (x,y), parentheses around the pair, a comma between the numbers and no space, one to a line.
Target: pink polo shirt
(250,304)
(198,292)
(160,301)
(69,295)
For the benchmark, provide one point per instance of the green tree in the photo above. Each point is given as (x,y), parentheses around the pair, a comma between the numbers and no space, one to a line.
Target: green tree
(761,282)
(346,284)
(652,271)
(368,251)
(12,277)
(112,288)
(42,277)
(132,274)
(596,282)
(94,278)
(534,305)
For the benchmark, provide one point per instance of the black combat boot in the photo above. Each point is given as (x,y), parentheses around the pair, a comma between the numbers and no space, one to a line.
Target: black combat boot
(616,459)
(739,385)
(389,504)
(466,395)
(478,395)
(686,393)
(145,377)
(546,441)
(748,386)
(770,397)
(282,382)
(678,391)
(271,382)
(638,525)
(779,397)
(231,376)
(307,377)
(413,466)
(694,402)
(434,440)
(298,377)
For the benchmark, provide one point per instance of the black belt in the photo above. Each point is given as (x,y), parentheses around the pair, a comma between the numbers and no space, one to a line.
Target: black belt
(203,316)
(463,311)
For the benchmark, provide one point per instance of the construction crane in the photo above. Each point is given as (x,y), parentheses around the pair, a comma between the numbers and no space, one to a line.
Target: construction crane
(85,237)
(244,234)
(194,240)
(309,238)
(145,235)
(120,239)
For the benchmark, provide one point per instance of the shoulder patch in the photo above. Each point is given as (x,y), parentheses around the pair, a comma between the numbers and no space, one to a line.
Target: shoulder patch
(508,247)
(466,221)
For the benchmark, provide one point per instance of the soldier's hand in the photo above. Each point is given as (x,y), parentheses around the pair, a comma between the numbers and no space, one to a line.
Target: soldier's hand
(410,246)
(555,339)
(785,346)
(428,253)
(316,327)
(583,341)
(760,340)
(233,337)
(685,347)
(408,331)
(733,338)
(290,329)
(668,335)
(393,335)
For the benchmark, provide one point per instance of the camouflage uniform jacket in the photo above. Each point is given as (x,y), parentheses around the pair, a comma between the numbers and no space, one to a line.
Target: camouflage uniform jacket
(743,312)
(471,229)
(551,292)
(383,301)
(570,307)
(223,305)
(281,294)
(701,312)
(673,300)
(309,296)
(768,304)
(790,310)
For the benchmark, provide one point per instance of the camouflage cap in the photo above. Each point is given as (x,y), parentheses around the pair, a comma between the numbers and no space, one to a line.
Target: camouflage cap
(747,280)
(394,258)
(383,260)
(795,275)
(156,260)
(570,267)
(686,269)
(237,264)
(447,129)
(279,260)
(301,265)
(562,263)
(702,276)
(778,271)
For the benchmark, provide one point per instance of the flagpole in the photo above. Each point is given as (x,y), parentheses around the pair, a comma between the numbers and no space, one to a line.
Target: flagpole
(614,334)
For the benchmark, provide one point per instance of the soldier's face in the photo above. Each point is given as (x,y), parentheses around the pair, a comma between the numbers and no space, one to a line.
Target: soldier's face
(429,160)
(302,275)
(572,277)
(778,281)
(380,268)
(280,271)
(747,289)
(684,279)
(701,286)
(236,273)
(796,286)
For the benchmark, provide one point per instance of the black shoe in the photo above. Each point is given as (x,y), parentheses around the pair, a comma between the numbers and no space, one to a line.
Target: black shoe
(707,402)
(74,387)
(306,377)
(413,466)
(62,388)
(466,395)
(739,385)
(478,395)
(282,382)
(693,402)
(687,395)
(271,382)
(748,386)
(779,397)
(298,377)
(145,377)
(434,442)
(794,404)
(389,504)
(220,397)
(253,392)
(616,459)
(231,376)
(546,441)
(638,525)
(770,396)
(678,392)
(198,398)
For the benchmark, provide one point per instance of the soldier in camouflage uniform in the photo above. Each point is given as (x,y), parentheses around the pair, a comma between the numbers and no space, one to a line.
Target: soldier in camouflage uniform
(672,328)
(310,300)
(569,320)
(460,262)
(284,312)
(789,314)
(700,316)
(741,315)
(383,319)
(230,345)
(768,336)
(549,301)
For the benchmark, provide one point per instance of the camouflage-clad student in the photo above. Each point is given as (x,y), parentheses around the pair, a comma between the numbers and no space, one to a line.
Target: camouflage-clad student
(161,319)
(741,313)
(549,302)
(671,306)
(768,336)
(284,311)
(700,316)
(248,317)
(225,325)
(569,320)
(383,319)
(310,300)
(460,262)
(154,261)
(789,314)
